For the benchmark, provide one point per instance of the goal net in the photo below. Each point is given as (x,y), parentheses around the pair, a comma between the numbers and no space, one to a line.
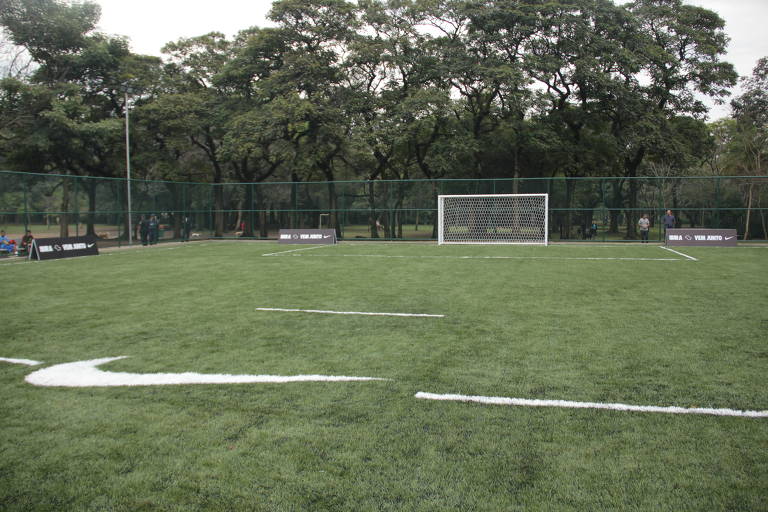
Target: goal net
(493,219)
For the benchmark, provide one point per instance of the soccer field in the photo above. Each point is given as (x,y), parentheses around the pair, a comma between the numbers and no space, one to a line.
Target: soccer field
(242,383)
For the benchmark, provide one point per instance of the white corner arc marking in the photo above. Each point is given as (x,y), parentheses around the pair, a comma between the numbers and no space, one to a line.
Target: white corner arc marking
(86,374)
(525,402)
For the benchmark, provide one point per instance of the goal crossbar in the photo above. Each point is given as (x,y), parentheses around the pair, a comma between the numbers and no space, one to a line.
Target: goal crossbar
(493,219)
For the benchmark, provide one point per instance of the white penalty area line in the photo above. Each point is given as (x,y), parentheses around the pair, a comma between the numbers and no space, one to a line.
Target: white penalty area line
(678,253)
(482,257)
(364,313)
(524,402)
(295,250)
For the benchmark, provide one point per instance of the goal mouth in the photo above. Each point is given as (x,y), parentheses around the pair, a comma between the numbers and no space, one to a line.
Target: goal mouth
(501,219)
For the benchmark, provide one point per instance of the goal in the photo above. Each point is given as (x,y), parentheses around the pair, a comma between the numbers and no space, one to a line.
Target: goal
(493,219)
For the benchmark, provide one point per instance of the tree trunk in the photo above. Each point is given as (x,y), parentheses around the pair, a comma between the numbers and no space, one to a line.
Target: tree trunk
(434,202)
(749,210)
(570,189)
(64,217)
(333,205)
(90,229)
(263,232)
(373,223)
(218,213)
(249,210)
(615,204)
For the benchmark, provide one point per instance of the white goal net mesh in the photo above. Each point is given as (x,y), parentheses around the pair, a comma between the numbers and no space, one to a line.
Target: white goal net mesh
(493,219)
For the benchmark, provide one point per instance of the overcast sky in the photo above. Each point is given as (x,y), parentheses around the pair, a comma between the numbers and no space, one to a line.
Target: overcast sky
(149,24)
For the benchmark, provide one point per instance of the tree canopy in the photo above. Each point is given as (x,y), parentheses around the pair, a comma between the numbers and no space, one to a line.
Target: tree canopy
(381,89)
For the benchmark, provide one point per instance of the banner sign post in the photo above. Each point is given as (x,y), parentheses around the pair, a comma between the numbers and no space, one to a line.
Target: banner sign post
(307,236)
(58,248)
(702,237)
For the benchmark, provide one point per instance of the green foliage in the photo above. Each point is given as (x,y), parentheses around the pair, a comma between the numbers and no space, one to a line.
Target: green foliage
(380,89)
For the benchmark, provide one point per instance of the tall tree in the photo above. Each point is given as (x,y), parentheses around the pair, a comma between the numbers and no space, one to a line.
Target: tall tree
(750,110)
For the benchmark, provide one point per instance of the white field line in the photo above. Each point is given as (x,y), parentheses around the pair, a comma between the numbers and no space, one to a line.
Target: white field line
(497,400)
(482,257)
(679,253)
(14,262)
(365,313)
(27,362)
(86,374)
(295,250)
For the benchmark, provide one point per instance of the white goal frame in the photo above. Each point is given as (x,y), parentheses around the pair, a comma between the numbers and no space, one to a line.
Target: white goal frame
(442,229)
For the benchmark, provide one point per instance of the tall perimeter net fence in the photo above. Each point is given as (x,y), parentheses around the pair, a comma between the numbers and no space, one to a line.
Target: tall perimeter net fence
(580,209)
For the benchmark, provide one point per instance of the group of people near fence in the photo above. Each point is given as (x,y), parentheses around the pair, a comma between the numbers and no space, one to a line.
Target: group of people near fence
(644,224)
(149,230)
(8,246)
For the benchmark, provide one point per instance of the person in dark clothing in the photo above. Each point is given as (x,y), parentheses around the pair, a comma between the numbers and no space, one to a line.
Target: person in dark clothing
(154,230)
(668,221)
(26,244)
(186,228)
(144,230)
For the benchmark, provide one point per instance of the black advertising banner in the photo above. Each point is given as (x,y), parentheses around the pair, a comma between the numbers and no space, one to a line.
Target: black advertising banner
(702,237)
(307,236)
(58,248)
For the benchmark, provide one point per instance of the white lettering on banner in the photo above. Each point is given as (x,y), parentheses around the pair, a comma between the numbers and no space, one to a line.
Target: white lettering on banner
(68,247)
(675,237)
(285,237)
(79,246)
(46,248)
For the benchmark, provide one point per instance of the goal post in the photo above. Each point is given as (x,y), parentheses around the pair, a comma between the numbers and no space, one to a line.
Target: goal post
(493,219)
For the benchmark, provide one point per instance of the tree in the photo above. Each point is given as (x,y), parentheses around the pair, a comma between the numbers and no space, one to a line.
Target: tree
(73,122)
(311,79)
(750,110)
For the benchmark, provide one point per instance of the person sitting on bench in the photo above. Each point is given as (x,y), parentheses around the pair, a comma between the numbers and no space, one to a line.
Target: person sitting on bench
(7,246)
(26,244)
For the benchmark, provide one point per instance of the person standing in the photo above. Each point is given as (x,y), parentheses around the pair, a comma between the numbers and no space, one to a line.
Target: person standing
(144,230)
(186,228)
(669,221)
(645,225)
(154,230)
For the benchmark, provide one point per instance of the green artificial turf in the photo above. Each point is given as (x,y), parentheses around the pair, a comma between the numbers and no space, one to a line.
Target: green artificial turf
(622,324)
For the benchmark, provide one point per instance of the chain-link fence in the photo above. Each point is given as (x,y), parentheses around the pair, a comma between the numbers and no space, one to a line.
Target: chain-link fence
(596,209)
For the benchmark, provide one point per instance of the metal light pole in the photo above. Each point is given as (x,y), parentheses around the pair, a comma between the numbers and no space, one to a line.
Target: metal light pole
(128,164)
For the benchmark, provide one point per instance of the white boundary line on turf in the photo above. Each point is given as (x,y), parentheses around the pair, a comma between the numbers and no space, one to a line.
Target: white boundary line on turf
(27,362)
(677,252)
(294,250)
(481,257)
(498,400)
(364,313)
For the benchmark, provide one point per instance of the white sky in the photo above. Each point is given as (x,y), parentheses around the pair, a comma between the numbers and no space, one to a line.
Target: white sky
(151,24)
